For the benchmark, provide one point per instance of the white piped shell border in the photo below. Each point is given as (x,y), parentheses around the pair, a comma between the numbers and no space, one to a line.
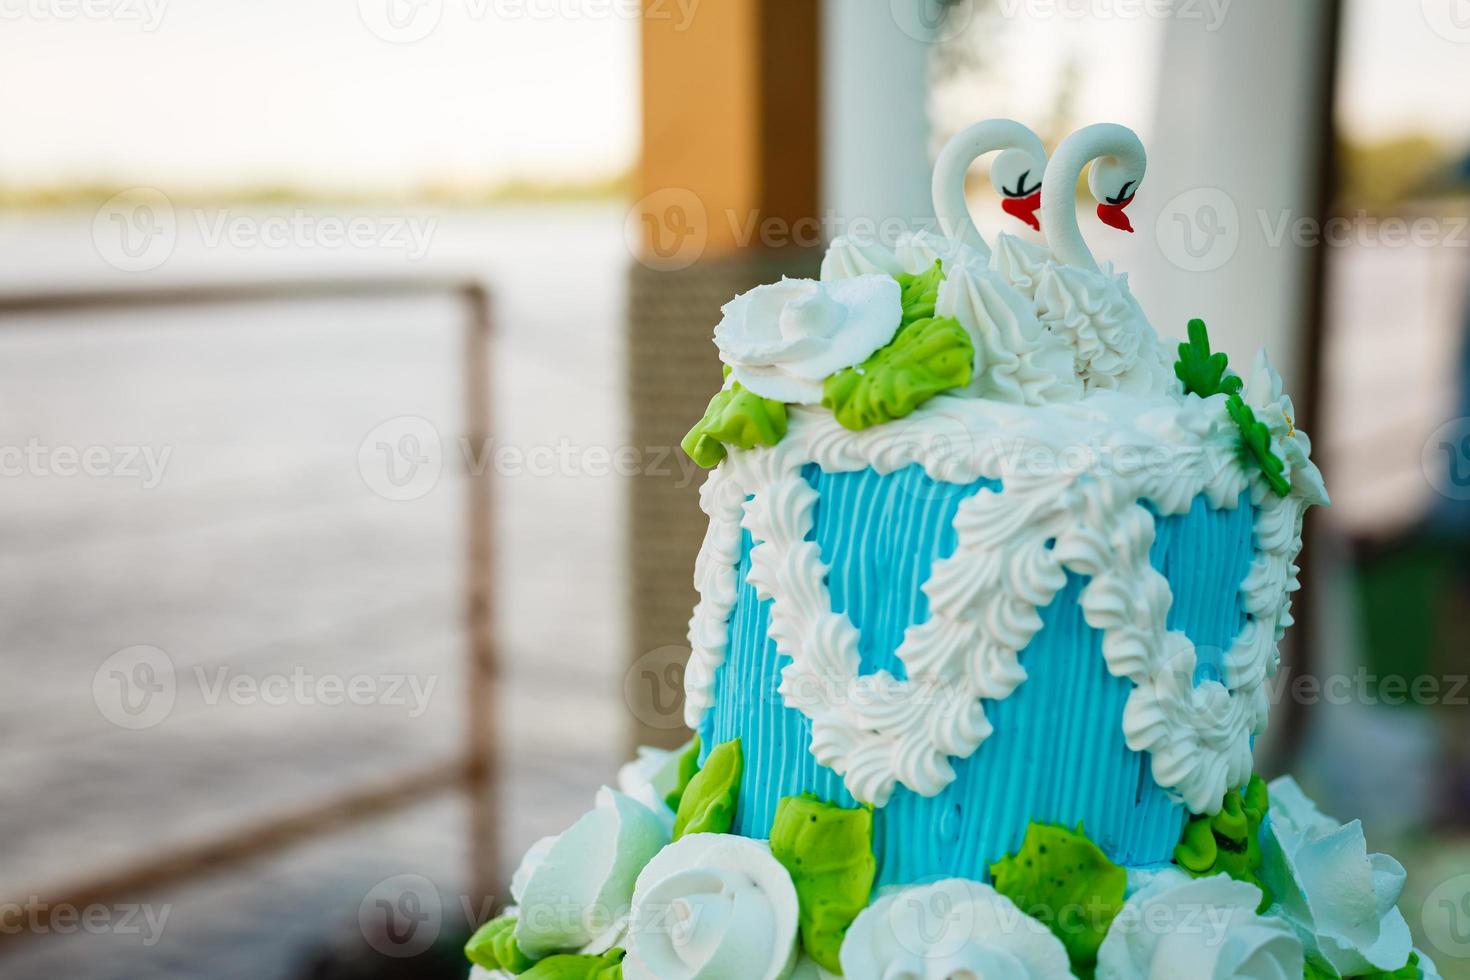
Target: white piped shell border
(1073,477)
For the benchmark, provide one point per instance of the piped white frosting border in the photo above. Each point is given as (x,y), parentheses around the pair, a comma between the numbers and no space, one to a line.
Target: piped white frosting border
(1073,477)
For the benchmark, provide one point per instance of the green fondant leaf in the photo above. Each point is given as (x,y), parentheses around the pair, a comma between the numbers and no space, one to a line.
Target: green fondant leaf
(1256,445)
(735,417)
(919,293)
(1318,969)
(927,356)
(829,852)
(1063,879)
(1409,971)
(493,946)
(577,966)
(688,766)
(1230,841)
(708,804)
(1202,372)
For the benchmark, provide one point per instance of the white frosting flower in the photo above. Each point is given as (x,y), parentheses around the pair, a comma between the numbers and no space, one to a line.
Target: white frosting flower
(782,339)
(1176,926)
(1273,407)
(650,779)
(1341,900)
(713,906)
(918,251)
(1113,345)
(951,929)
(574,890)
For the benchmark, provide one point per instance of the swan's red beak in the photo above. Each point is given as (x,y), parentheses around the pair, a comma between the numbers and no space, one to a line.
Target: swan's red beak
(1023,208)
(1112,214)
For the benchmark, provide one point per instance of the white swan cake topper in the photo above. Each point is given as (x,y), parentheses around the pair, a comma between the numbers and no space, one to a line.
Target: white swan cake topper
(991,592)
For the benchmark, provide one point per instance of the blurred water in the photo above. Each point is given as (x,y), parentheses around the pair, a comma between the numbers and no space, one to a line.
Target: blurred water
(259,552)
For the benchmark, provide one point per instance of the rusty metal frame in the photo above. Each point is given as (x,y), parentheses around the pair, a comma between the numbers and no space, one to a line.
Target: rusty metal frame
(475,771)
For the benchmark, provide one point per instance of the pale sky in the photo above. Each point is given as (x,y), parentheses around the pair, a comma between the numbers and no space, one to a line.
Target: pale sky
(222,93)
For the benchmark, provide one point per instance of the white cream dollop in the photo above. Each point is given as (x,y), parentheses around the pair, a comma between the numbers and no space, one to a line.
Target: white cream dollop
(1273,407)
(1020,263)
(951,929)
(918,251)
(712,906)
(1113,345)
(850,255)
(574,890)
(1176,926)
(1340,899)
(1016,359)
(781,340)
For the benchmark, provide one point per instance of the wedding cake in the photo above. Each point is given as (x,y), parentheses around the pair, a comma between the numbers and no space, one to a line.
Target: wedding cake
(988,608)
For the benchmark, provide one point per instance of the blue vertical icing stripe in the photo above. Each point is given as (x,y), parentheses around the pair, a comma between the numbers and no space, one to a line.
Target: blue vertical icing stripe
(1057,752)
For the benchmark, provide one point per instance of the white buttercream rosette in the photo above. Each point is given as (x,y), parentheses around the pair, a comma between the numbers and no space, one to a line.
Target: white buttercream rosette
(713,906)
(650,778)
(1273,407)
(781,340)
(1176,926)
(574,890)
(1340,899)
(952,928)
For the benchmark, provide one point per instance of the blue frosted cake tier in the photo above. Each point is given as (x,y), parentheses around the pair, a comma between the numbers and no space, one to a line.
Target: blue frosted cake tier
(1057,753)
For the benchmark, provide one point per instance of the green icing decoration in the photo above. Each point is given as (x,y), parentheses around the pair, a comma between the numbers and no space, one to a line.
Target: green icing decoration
(708,804)
(918,294)
(576,966)
(493,946)
(735,417)
(1202,372)
(1256,445)
(1229,842)
(926,357)
(1409,971)
(1316,969)
(1063,879)
(829,852)
(688,766)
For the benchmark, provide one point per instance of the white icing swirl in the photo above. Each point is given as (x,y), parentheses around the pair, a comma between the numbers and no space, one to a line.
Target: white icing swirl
(1340,899)
(849,256)
(574,890)
(950,930)
(1019,360)
(1112,343)
(650,778)
(1204,929)
(1273,407)
(712,906)
(918,251)
(1073,477)
(1020,263)
(781,340)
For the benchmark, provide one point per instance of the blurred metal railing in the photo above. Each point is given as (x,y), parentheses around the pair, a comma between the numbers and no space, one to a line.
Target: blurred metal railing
(474,770)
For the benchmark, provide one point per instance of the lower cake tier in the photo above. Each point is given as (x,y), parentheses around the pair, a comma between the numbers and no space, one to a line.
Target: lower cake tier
(1056,752)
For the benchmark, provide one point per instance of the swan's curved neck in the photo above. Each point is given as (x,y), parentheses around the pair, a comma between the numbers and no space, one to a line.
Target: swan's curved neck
(954,160)
(1108,143)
